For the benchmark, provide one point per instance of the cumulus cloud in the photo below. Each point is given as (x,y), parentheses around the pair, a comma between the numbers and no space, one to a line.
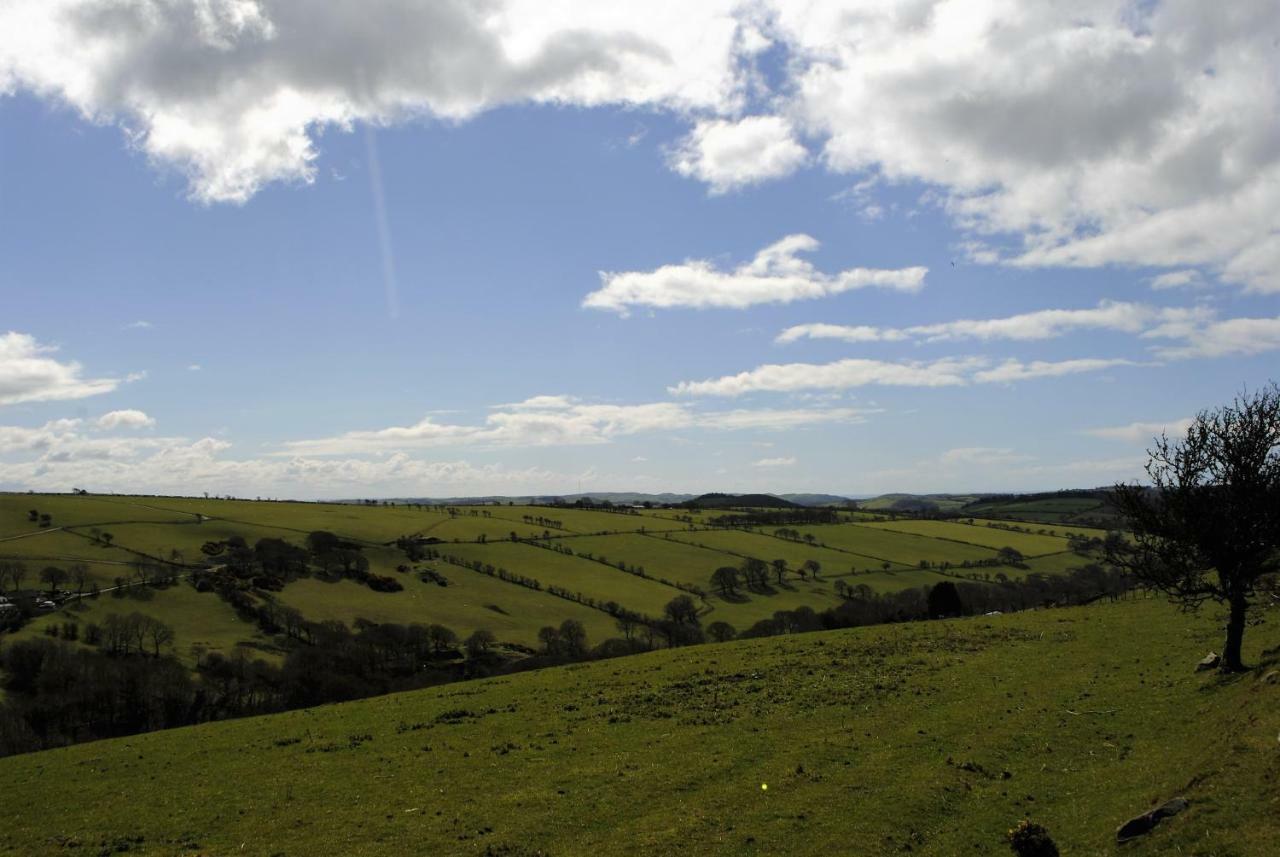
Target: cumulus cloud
(730,154)
(1141,432)
(29,373)
(777,274)
(129,418)
(856,372)
(1025,327)
(1091,134)
(563,421)
(1098,134)
(235,92)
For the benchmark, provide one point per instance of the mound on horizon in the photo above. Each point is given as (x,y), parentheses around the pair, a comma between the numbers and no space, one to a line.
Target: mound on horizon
(740,501)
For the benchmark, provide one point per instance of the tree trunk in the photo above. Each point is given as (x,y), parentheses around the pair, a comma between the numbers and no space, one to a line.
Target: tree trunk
(1231,660)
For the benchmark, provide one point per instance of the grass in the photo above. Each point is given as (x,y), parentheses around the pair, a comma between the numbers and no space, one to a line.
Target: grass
(1029,544)
(661,557)
(929,738)
(201,621)
(465,605)
(157,525)
(906,549)
(769,548)
(575,574)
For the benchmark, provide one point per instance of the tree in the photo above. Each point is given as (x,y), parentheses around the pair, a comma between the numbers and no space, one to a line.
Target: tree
(479,643)
(549,637)
(779,569)
(441,638)
(944,601)
(158,634)
(725,579)
(721,632)
(53,576)
(573,638)
(1208,527)
(682,610)
(813,567)
(80,576)
(1009,556)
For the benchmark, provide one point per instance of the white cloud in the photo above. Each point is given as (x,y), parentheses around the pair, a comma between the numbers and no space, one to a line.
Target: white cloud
(776,275)
(729,154)
(1016,370)
(842,374)
(1025,327)
(1141,432)
(770,463)
(559,421)
(194,367)
(139,325)
(1234,336)
(852,372)
(1186,278)
(28,373)
(1090,134)
(178,466)
(129,418)
(234,92)
(1102,133)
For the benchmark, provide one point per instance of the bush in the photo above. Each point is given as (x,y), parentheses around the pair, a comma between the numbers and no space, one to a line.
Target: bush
(1029,839)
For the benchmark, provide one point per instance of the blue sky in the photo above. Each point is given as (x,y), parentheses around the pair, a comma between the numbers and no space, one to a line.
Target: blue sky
(207,288)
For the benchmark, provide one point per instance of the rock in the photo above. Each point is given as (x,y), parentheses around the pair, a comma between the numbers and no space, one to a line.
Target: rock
(1210,662)
(1145,823)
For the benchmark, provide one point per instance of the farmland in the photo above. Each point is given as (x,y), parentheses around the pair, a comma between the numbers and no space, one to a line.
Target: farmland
(938,736)
(581,560)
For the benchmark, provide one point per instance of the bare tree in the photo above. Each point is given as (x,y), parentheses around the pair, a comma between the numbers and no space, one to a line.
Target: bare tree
(1208,527)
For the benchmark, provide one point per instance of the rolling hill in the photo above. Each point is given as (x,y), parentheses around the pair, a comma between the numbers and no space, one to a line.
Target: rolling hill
(931,738)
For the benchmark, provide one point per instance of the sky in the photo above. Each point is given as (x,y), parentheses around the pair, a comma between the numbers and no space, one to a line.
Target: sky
(271,248)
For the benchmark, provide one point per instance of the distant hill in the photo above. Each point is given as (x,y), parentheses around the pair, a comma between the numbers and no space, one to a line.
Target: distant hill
(918,502)
(616,497)
(738,501)
(817,499)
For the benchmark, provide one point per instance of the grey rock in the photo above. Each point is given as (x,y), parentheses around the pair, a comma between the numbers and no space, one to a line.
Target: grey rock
(1210,662)
(1145,823)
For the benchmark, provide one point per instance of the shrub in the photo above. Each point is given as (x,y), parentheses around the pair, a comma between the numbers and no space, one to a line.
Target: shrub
(1029,839)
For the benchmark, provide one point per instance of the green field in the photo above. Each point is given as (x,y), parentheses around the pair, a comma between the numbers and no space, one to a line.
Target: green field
(470,601)
(938,736)
(577,575)
(1028,544)
(769,548)
(202,622)
(157,526)
(902,548)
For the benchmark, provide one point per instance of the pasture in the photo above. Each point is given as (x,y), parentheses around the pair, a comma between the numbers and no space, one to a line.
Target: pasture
(939,736)
(172,531)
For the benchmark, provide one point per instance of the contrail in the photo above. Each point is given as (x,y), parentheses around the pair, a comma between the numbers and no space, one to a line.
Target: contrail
(384,230)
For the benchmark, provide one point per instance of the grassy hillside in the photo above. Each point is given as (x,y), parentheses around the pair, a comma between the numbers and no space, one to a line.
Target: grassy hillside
(932,738)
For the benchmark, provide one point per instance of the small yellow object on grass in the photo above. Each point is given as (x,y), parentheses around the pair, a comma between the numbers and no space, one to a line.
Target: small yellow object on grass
(764,787)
